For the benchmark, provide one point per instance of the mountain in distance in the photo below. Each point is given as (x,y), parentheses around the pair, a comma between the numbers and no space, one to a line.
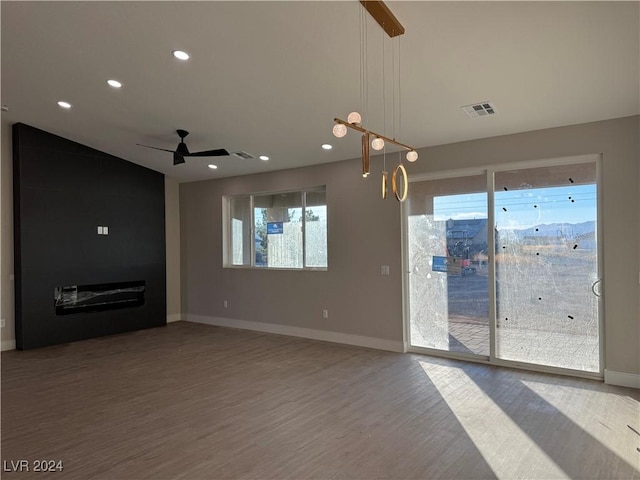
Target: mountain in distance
(558,230)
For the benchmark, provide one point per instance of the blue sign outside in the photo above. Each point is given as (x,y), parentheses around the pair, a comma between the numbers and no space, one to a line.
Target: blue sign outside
(275,228)
(439,264)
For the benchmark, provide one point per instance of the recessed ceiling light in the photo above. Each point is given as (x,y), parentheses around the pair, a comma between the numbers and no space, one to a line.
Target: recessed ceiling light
(326,146)
(64,104)
(263,157)
(180,55)
(114,83)
(212,166)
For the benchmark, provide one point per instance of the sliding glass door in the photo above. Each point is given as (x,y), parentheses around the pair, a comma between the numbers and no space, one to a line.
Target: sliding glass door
(547,266)
(503,266)
(447,255)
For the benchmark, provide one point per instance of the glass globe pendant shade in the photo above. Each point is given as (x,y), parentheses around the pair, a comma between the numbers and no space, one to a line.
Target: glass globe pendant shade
(354,118)
(339,130)
(377,143)
(412,156)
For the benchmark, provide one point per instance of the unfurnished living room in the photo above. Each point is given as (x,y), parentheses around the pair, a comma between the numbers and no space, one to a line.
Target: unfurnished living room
(320,240)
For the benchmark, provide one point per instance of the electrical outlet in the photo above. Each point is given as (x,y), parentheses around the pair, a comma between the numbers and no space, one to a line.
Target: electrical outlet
(3,323)
(325,313)
(384,269)
(225,304)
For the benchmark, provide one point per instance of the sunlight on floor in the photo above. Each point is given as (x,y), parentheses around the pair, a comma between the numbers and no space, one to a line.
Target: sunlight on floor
(621,418)
(506,448)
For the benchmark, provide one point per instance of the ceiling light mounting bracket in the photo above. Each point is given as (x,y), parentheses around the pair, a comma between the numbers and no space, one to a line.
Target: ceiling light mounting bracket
(385,18)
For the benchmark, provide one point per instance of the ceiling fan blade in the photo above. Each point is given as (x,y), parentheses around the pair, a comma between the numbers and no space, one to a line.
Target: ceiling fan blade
(178,158)
(209,153)
(155,148)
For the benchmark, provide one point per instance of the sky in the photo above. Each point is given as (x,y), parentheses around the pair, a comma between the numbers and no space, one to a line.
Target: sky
(517,209)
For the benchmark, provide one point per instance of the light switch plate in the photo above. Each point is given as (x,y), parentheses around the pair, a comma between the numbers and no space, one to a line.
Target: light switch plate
(105,230)
(99,230)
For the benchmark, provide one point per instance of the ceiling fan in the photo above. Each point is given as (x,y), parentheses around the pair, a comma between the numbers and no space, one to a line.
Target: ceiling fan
(182,151)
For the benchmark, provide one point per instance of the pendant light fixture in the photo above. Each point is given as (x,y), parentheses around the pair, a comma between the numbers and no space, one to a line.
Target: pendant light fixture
(370,139)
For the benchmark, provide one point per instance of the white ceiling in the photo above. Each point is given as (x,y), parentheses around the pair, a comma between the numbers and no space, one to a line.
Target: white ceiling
(269,77)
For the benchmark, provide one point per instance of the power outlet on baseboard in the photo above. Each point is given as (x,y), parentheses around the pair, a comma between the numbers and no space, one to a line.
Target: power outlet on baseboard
(3,323)
(325,313)
(225,304)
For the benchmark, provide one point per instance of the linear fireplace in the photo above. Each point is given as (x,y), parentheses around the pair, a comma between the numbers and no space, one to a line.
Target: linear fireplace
(104,296)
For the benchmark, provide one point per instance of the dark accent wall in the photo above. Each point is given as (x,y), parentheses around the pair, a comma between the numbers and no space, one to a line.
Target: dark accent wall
(62,192)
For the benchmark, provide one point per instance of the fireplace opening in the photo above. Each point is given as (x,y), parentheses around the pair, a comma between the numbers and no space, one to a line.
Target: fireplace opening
(103,296)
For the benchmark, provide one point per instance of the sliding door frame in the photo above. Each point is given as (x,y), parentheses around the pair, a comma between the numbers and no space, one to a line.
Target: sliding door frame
(489,172)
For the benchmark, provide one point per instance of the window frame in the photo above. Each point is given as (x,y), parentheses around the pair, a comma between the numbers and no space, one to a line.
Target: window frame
(227,240)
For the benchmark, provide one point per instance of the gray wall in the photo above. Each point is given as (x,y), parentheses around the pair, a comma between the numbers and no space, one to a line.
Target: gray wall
(364,233)
(360,301)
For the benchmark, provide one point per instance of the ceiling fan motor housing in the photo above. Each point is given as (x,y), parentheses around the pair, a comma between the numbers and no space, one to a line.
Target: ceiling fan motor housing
(182,149)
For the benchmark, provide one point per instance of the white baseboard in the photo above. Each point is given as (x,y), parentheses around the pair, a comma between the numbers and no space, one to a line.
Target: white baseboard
(174,317)
(324,335)
(7,345)
(622,379)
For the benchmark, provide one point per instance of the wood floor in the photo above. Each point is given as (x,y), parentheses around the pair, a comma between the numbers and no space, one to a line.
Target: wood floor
(191,401)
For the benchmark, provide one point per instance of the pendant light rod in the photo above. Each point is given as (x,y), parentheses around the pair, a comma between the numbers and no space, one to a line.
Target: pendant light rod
(374,134)
(381,14)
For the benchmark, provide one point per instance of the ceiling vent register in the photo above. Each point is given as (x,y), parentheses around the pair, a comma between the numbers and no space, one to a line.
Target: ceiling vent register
(479,109)
(243,155)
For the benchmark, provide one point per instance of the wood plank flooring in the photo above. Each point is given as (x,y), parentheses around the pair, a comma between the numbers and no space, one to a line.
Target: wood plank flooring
(191,401)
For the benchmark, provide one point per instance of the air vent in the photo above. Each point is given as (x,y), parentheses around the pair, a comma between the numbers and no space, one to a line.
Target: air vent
(244,155)
(479,109)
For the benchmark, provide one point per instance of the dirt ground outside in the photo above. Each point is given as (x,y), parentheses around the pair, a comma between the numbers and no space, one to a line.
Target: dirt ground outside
(547,312)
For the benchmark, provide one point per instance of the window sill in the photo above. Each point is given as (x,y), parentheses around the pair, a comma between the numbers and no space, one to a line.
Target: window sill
(280,269)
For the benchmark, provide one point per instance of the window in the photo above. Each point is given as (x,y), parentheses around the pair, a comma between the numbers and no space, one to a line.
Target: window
(286,230)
